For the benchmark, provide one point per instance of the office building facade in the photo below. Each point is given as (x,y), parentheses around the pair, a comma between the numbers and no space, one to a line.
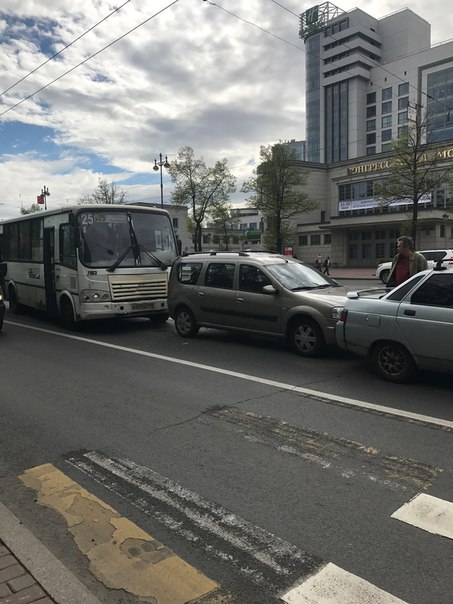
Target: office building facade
(366,79)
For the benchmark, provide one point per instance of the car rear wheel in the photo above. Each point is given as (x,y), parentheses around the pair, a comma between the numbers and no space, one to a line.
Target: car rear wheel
(185,323)
(393,362)
(384,276)
(305,337)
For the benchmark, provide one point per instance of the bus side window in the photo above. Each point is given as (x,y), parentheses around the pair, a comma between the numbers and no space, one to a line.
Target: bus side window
(67,246)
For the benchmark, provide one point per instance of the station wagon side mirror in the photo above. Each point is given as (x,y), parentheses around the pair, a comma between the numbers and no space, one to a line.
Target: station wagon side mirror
(270,290)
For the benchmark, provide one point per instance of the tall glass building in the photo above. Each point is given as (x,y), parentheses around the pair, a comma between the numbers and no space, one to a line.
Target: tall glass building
(366,79)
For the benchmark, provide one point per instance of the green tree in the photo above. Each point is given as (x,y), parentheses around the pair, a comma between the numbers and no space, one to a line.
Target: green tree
(35,207)
(278,193)
(225,222)
(199,187)
(416,169)
(105,193)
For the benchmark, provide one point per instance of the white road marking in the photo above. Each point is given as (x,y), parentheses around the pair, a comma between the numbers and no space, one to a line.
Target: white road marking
(428,513)
(270,562)
(316,394)
(333,585)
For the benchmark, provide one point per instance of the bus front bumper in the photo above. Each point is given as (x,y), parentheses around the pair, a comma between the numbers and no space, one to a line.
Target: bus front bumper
(104,310)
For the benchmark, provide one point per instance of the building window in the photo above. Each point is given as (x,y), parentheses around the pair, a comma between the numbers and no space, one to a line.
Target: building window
(403,103)
(371,150)
(386,147)
(370,125)
(371,98)
(327,239)
(323,216)
(371,138)
(386,121)
(403,89)
(175,222)
(244,226)
(371,111)
(386,135)
(402,117)
(315,240)
(253,226)
(387,107)
(386,94)
(402,131)
(303,239)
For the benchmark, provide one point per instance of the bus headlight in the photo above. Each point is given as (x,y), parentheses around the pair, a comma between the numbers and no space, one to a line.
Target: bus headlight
(93,295)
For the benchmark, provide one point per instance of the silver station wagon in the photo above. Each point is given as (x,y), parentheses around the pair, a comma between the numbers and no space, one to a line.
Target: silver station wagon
(256,292)
(408,328)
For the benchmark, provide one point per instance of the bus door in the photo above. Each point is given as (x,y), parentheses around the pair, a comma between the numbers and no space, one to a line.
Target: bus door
(49,271)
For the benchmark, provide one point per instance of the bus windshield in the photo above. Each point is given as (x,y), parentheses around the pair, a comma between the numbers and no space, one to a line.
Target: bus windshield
(129,238)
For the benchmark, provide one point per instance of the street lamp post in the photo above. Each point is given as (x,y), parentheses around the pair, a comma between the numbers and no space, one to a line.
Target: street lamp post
(158,165)
(445,219)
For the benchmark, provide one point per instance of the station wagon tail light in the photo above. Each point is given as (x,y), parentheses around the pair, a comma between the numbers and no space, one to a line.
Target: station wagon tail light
(335,312)
(343,315)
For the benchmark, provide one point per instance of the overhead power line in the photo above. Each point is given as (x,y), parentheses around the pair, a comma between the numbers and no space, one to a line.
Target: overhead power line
(88,58)
(63,49)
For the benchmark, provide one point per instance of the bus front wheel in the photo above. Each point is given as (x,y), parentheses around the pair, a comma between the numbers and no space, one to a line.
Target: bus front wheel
(67,317)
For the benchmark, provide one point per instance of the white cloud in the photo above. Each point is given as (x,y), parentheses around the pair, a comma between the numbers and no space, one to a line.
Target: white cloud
(195,75)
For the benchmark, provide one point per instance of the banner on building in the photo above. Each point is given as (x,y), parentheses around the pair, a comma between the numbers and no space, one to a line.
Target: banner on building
(367,204)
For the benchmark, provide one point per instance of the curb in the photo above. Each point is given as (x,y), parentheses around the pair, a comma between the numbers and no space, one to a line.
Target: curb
(50,573)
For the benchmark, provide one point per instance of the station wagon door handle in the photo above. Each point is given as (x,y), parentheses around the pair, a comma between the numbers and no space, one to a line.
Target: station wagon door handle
(239,299)
(200,293)
(409,313)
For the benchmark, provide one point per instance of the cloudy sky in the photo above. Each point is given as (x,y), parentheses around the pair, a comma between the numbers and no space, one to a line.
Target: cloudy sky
(190,72)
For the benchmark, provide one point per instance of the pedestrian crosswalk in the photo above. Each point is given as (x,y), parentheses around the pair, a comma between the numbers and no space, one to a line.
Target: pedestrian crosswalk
(124,556)
(428,513)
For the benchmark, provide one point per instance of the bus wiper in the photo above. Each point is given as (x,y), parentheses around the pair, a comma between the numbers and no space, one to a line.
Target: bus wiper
(157,260)
(119,259)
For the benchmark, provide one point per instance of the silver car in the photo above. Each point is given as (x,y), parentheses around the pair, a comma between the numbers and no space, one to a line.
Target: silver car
(256,292)
(408,328)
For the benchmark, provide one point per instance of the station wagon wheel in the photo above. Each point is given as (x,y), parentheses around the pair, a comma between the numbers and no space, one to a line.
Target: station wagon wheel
(393,362)
(185,323)
(384,276)
(305,337)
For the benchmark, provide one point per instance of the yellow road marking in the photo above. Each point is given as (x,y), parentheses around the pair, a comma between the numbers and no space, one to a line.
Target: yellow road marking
(121,555)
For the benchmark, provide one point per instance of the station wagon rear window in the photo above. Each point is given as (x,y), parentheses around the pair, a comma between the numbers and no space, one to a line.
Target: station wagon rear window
(187,272)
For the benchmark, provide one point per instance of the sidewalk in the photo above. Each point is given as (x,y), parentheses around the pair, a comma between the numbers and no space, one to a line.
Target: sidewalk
(29,573)
(354,273)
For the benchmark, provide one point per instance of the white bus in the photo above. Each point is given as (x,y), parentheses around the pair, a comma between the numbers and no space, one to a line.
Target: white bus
(89,262)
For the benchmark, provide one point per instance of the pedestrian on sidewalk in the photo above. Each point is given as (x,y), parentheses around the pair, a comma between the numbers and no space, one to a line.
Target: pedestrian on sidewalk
(318,262)
(326,265)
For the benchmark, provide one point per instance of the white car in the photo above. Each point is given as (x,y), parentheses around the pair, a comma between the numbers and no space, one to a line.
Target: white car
(432,256)
(408,328)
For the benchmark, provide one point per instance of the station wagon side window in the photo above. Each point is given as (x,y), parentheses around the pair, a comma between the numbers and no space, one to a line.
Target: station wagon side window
(220,274)
(252,279)
(188,272)
(436,291)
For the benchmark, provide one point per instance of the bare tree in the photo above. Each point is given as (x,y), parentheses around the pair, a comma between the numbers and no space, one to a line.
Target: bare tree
(105,192)
(200,187)
(225,222)
(31,210)
(416,169)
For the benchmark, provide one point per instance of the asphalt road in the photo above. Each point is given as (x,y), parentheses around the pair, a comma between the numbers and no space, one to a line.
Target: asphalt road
(236,454)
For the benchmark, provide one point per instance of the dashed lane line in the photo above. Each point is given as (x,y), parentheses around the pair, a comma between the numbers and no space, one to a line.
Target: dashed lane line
(428,513)
(313,394)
